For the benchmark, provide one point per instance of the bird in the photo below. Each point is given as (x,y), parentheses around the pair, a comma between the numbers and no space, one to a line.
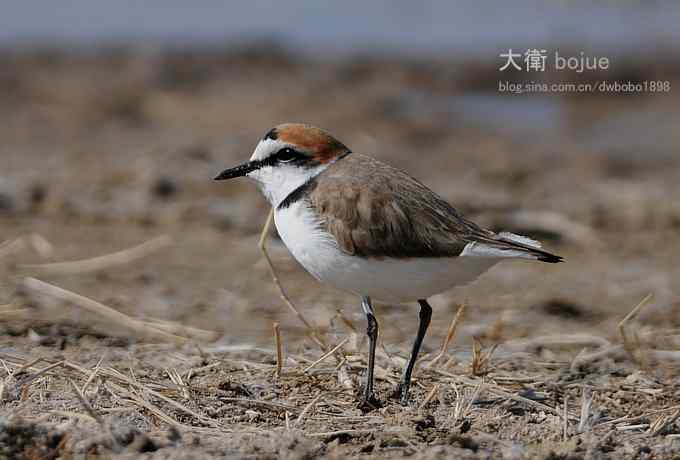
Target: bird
(367,228)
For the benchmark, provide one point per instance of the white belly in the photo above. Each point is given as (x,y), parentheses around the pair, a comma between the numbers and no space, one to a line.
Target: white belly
(387,279)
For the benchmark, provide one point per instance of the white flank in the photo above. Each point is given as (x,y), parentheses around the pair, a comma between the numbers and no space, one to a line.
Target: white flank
(386,279)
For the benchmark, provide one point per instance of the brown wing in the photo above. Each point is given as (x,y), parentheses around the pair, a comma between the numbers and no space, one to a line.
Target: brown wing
(375,210)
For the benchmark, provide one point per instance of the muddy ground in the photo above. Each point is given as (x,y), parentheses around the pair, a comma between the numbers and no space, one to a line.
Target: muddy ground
(104,150)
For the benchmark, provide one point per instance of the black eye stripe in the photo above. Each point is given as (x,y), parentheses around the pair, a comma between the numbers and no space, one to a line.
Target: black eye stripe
(288,156)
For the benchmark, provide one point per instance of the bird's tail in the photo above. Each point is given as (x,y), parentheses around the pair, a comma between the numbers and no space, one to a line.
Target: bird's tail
(531,248)
(506,244)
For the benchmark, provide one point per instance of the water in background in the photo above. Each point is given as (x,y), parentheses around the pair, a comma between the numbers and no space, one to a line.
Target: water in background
(464,27)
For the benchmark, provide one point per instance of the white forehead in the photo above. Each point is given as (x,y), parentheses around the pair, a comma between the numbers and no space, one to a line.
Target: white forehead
(266,147)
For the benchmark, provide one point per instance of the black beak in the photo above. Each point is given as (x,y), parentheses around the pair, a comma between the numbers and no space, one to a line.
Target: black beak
(239,171)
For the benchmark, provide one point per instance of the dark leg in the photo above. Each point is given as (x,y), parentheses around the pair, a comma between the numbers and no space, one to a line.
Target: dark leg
(425,316)
(369,401)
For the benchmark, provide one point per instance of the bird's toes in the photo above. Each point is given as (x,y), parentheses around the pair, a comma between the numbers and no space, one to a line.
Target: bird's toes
(369,403)
(400,393)
(403,400)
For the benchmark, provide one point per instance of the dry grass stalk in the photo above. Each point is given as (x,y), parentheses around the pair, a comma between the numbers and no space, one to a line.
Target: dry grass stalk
(449,336)
(327,354)
(92,375)
(279,349)
(640,426)
(660,424)
(262,244)
(432,393)
(141,329)
(628,418)
(29,365)
(462,407)
(99,263)
(480,359)
(306,411)
(585,422)
(177,380)
(628,346)
(565,419)
(182,330)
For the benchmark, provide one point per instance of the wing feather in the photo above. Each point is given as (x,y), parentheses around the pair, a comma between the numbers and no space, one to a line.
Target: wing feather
(375,210)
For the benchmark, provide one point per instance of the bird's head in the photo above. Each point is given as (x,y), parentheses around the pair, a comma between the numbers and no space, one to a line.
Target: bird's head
(287,157)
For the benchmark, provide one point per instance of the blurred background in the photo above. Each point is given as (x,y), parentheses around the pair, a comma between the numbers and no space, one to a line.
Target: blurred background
(115,116)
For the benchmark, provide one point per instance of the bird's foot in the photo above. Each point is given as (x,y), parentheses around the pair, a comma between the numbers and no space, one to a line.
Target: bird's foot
(400,393)
(369,403)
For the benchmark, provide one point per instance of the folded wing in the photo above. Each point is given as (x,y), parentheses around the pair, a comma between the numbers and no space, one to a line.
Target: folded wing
(375,210)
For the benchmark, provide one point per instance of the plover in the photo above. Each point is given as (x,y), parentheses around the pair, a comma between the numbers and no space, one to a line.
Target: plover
(368,228)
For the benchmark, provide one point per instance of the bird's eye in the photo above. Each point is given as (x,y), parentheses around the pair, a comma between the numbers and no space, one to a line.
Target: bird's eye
(286,155)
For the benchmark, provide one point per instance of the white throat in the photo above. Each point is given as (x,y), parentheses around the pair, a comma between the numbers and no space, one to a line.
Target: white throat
(280,180)
(277,182)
